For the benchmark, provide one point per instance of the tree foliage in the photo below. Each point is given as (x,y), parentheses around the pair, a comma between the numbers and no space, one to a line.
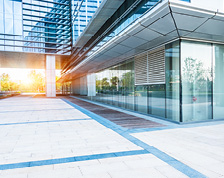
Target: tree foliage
(37,81)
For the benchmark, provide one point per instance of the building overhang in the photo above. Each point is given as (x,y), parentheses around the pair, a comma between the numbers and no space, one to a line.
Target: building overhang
(9,59)
(103,13)
(168,21)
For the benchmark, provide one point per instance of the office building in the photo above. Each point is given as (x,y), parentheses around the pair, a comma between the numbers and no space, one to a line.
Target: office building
(163,58)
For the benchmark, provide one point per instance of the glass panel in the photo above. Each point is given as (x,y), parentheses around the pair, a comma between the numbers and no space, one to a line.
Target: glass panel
(196,81)
(130,81)
(114,83)
(141,98)
(218,84)
(172,81)
(121,86)
(156,95)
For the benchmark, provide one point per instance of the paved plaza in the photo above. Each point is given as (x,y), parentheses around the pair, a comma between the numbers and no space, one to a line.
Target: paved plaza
(57,138)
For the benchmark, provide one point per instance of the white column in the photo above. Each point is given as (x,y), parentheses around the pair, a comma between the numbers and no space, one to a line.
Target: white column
(91,84)
(83,85)
(50,76)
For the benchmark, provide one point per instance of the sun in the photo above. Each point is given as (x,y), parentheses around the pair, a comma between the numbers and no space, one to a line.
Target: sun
(27,81)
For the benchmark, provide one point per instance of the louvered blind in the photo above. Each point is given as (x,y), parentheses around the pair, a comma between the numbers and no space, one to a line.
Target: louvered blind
(141,68)
(150,67)
(156,66)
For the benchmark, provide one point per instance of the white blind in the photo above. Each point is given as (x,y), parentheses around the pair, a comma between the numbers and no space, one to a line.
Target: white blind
(150,67)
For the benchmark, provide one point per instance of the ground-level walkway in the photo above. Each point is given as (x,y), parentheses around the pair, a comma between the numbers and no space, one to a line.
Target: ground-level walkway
(66,137)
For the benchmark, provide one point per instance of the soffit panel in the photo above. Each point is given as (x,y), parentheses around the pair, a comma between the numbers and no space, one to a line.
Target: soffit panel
(164,25)
(213,27)
(188,22)
(191,11)
(155,14)
(120,49)
(133,42)
(147,34)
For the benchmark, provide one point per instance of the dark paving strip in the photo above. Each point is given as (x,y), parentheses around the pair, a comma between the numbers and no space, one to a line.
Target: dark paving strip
(119,118)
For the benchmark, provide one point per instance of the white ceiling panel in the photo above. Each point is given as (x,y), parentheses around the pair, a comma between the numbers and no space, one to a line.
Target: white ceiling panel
(135,29)
(191,11)
(205,36)
(155,15)
(164,25)
(213,27)
(147,34)
(188,22)
(111,53)
(120,49)
(133,42)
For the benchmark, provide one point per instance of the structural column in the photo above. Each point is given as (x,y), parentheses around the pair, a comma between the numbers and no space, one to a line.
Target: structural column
(91,84)
(50,76)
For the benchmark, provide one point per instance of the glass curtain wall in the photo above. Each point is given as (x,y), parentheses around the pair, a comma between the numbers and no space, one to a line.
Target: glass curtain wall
(218,84)
(194,88)
(42,26)
(141,98)
(156,97)
(116,85)
(172,65)
(196,62)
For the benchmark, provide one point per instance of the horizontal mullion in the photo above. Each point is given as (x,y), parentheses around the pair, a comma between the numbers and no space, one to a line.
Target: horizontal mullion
(29,15)
(52,2)
(44,27)
(54,13)
(28,46)
(30,20)
(37,5)
(30,41)
(57,34)
(57,38)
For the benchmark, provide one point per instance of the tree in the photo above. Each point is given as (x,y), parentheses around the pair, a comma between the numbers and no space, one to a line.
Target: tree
(37,81)
(105,83)
(114,82)
(127,79)
(195,74)
(5,82)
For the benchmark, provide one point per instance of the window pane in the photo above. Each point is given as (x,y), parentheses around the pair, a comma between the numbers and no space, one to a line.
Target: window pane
(218,84)
(172,82)
(141,99)
(157,100)
(196,81)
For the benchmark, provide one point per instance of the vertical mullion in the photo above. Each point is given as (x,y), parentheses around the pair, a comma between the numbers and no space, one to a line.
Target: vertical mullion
(180,83)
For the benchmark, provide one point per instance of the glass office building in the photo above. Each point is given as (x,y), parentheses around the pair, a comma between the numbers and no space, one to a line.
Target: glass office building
(35,26)
(188,88)
(82,12)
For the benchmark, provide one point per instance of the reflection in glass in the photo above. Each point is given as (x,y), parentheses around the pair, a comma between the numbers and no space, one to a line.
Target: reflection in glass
(172,81)
(196,81)
(156,94)
(141,98)
(218,84)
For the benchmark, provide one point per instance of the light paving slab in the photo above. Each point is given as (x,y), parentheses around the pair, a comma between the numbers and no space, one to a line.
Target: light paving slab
(201,148)
(102,168)
(44,131)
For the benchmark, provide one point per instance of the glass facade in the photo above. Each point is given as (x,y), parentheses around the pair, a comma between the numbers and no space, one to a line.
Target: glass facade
(172,65)
(82,12)
(196,62)
(193,89)
(42,26)
(218,84)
